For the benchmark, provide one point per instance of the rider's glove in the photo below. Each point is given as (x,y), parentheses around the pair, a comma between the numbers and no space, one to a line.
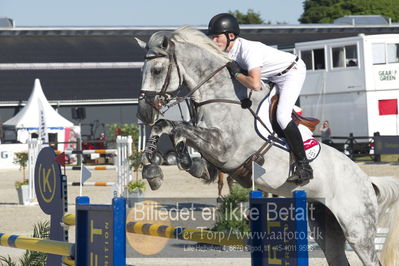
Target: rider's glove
(246,103)
(234,68)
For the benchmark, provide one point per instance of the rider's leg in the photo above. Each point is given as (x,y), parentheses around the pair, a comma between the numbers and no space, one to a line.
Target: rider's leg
(290,86)
(302,171)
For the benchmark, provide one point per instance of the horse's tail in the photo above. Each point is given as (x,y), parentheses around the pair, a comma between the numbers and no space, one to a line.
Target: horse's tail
(387,190)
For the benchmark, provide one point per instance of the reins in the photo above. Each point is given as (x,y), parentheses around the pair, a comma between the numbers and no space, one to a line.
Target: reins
(166,101)
(235,102)
(199,85)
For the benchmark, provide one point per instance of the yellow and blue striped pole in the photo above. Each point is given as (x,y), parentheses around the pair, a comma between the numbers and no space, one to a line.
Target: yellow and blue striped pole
(197,235)
(38,244)
(69,219)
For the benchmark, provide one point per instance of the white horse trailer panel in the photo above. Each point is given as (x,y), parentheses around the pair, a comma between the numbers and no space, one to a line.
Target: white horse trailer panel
(353,82)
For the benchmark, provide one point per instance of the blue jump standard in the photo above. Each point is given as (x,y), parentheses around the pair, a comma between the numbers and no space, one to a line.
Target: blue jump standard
(285,241)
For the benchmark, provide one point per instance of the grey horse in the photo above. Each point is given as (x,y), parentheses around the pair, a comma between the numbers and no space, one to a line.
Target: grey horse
(350,201)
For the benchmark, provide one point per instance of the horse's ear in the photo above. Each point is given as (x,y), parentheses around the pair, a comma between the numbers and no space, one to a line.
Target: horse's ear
(141,43)
(165,43)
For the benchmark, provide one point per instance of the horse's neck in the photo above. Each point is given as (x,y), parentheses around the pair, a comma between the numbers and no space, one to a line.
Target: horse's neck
(198,64)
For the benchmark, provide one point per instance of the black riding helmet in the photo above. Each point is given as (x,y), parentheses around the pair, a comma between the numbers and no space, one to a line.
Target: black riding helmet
(224,23)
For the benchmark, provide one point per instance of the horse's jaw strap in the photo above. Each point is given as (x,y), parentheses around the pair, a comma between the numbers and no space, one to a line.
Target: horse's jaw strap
(172,60)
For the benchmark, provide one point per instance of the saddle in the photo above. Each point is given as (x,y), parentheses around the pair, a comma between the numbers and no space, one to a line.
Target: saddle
(308,122)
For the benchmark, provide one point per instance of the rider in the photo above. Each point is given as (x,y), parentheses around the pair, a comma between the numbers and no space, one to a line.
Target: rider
(260,62)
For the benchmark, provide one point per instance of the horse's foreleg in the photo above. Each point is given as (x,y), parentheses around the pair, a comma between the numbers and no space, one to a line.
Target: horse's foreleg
(208,141)
(184,161)
(151,171)
(161,127)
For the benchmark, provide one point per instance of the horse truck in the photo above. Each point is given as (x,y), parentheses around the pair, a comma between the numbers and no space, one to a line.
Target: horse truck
(353,83)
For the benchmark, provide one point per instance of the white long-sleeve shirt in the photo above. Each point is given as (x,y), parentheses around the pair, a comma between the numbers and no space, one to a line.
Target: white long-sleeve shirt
(251,54)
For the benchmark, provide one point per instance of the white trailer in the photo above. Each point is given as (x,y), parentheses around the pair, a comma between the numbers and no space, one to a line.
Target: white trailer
(353,83)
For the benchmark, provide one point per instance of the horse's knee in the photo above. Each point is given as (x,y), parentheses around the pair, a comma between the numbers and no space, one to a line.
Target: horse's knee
(162,126)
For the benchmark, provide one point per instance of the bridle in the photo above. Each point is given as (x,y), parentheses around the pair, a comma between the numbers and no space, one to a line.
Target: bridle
(163,98)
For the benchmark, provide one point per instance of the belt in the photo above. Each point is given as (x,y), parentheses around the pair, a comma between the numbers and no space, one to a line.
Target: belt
(289,67)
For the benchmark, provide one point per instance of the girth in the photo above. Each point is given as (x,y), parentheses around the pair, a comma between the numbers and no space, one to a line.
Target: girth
(243,173)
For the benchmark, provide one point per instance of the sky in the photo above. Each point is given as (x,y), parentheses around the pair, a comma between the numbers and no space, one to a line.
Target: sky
(141,13)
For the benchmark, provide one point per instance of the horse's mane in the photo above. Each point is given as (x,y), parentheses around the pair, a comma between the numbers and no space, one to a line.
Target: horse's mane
(190,35)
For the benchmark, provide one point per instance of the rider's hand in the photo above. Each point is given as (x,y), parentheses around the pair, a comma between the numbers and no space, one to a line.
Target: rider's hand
(234,68)
(246,103)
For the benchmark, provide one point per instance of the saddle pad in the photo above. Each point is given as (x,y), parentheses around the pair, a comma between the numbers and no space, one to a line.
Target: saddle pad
(312,148)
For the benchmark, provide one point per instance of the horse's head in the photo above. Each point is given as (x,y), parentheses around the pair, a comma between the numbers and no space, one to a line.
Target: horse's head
(161,76)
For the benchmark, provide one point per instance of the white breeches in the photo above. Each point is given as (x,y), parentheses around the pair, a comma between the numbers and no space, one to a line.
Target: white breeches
(289,86)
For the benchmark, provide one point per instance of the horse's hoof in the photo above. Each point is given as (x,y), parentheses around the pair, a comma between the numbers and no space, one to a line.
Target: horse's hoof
(197,169)
(155,183)
(184,161)
(154,175)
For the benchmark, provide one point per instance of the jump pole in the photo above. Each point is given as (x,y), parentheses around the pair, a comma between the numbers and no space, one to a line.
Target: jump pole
(264,250)
(101,229)
(38,244)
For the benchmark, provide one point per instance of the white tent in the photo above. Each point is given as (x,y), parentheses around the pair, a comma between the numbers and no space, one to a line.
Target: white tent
(29,119)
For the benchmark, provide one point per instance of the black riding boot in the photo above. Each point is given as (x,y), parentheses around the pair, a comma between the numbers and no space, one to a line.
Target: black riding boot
(302,171)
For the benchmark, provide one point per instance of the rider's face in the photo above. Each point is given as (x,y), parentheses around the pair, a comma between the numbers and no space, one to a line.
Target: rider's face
(220,40)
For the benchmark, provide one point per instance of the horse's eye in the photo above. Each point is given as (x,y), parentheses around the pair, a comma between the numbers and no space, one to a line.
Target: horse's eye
(156,71)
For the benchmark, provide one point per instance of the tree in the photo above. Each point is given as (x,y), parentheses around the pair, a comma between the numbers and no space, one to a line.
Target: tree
(250,18)
(325,11)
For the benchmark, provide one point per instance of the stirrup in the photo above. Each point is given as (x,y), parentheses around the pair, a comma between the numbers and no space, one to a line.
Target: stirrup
(298,180)
(302,172)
